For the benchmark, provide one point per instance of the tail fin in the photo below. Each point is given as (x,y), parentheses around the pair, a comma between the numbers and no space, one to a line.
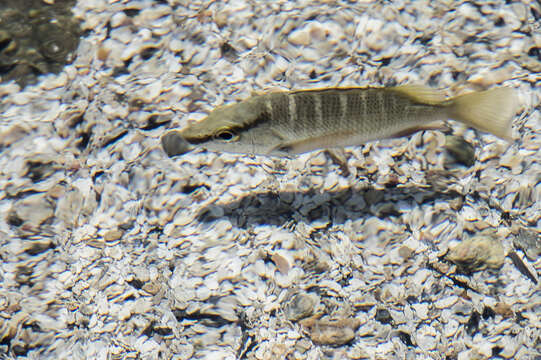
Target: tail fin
(491,111)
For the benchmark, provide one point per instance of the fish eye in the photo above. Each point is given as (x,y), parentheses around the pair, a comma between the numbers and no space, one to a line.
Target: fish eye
(226,135)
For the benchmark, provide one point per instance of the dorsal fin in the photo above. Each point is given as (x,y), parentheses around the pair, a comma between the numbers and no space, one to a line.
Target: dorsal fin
(421,94)
(268,90)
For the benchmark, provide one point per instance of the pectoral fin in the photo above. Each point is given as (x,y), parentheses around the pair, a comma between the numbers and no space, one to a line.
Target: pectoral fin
(437,125)
(301,146)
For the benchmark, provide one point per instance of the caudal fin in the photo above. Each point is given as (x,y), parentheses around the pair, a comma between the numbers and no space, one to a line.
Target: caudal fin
(491,111)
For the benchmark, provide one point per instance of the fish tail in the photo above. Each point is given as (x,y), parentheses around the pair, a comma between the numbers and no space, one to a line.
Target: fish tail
(491,110)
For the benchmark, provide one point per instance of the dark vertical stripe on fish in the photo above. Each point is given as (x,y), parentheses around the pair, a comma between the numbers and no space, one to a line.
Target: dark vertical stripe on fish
(380,107)
(318,112)
(304,112)
(330,106)
(354,108)
(280,107)
(389,107)
(343,107)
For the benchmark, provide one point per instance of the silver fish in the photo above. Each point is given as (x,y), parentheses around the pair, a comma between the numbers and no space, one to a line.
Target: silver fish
(289,123)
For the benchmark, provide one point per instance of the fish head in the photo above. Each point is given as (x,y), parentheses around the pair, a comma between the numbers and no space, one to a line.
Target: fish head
(239,128)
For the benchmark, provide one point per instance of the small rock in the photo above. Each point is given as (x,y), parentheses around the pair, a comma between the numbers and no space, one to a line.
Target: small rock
(303,345)
(383,316)
(300,37)
(31,212)
(301,306)
(446,302)
(478,253)
(405,252)
(529,242)
(503,309)
(112,235)
(248,42)
(281,262)
(460,150)
(14,134)
(221,18)
(331,332)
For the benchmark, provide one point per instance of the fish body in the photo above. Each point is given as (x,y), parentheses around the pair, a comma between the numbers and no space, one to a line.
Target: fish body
(294,122)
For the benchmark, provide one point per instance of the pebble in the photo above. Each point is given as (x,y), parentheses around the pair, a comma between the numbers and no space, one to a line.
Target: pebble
(421,310)
(446,302)
(112,235)
(461,151)
(300,37)
(334,332)
(300,306)
(477,253)
(282,262)
(503,309)
(529,242)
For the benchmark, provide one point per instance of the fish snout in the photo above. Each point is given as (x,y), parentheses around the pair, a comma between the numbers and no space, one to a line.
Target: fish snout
(174,144)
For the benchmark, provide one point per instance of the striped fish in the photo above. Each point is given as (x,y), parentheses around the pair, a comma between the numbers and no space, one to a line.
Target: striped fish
(289,123)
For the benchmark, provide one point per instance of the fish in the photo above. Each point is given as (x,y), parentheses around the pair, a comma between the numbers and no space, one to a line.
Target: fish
(288,123)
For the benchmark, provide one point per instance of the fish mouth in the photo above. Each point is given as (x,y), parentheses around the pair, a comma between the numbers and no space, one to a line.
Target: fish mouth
(175,144)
